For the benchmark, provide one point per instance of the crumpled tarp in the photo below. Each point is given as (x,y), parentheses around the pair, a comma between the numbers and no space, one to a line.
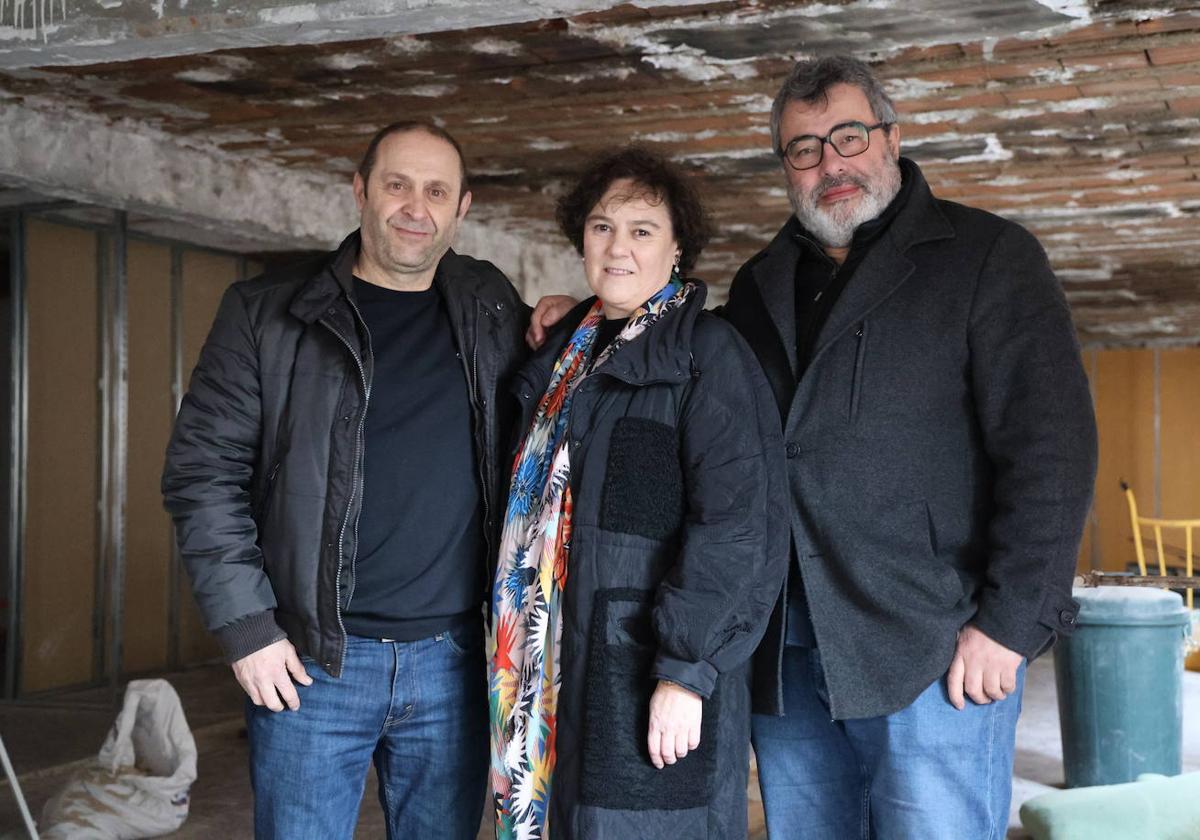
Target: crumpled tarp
(139,784)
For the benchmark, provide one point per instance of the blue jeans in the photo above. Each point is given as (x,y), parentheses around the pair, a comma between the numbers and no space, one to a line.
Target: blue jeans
(417,709)
(927,771)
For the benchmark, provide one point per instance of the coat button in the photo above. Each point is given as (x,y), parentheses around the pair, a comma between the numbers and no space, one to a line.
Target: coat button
(499,306)
(793,450)
(1067,618)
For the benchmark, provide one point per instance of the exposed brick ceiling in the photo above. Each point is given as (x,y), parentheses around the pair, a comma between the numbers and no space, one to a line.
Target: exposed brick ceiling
(1086,131)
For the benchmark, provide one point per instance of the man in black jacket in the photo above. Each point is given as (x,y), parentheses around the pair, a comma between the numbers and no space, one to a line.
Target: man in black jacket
(335,484)
(941,452)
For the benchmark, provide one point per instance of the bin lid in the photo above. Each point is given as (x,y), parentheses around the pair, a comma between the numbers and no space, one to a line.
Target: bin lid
(1129,605)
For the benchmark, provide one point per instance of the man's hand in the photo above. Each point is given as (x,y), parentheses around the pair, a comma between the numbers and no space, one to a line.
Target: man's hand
(674,723)
(983,668)
(266,675)
(548,312)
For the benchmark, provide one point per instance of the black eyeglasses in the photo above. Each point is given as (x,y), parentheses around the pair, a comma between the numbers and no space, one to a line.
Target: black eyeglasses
(848,139)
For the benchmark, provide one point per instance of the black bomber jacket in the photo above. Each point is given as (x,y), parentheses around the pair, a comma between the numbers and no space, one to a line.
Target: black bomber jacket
(263,474)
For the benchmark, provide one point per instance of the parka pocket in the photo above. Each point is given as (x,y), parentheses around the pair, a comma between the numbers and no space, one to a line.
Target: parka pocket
(643,482)
(617,773)
(856,382)
(263,506)
(264,503)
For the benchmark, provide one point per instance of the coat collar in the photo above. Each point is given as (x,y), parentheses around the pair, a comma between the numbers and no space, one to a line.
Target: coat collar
(334,277)
(662,353)
(458,278)
(886,265)
(884,268)
(775,275)
(463,280)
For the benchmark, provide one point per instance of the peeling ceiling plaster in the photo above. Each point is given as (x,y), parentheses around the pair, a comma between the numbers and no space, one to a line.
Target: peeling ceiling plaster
(1078,118)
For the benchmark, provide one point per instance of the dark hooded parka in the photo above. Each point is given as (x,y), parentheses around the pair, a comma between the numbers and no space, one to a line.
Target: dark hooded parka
(677,556)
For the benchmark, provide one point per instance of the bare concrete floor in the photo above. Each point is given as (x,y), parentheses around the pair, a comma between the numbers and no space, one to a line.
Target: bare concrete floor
(48,739)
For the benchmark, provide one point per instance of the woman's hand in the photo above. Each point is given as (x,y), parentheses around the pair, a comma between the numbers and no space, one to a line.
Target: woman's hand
(674,723)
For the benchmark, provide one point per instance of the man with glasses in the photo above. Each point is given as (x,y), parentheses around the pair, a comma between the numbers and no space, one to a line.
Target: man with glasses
(941,451)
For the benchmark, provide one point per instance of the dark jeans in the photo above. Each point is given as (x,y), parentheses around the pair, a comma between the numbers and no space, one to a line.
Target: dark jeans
(927,771)
(417,709)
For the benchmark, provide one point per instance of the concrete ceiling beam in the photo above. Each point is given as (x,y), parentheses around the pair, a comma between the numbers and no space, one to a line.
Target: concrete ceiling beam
(83,157)
(205,196)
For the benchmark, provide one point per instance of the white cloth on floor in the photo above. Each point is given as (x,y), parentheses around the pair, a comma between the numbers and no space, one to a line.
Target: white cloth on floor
(140,782)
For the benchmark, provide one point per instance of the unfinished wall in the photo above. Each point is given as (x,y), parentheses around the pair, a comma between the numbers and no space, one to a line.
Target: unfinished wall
(67,622)
(1148,414)
(148,535)
(61,545)
(1180,400)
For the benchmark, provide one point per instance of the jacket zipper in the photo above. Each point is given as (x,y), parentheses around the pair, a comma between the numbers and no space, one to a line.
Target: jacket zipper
(472,374)
(354,476)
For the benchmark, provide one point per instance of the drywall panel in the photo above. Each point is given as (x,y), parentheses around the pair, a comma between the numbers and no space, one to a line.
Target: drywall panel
(1123,386)
(61,542)
(148,534)
(1180,385)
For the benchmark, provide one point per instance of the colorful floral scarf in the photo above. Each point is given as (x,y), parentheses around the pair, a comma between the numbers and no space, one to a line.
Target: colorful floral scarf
(524,673)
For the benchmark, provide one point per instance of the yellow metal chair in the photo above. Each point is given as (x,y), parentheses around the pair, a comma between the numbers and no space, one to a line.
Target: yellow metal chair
(1188,526)
(1157,526)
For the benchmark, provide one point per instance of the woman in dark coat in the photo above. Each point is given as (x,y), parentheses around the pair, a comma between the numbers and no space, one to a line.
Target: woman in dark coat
(642,549)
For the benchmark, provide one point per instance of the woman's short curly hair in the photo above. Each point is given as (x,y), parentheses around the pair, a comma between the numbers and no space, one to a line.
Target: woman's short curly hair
(654,174)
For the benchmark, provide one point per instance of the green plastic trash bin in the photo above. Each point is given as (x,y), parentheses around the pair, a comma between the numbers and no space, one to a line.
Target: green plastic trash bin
(1120,685)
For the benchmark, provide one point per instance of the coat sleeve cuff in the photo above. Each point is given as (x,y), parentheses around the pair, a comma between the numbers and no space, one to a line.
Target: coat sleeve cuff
(700,677)
(1030,636)
(242,637)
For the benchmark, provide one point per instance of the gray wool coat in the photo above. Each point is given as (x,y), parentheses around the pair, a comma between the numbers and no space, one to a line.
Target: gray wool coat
(941,449)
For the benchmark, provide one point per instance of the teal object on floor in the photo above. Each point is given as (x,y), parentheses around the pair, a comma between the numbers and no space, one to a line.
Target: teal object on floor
(1120,686)
(1152,808)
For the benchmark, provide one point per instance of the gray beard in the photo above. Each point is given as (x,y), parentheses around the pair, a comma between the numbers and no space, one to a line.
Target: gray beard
(834,227)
